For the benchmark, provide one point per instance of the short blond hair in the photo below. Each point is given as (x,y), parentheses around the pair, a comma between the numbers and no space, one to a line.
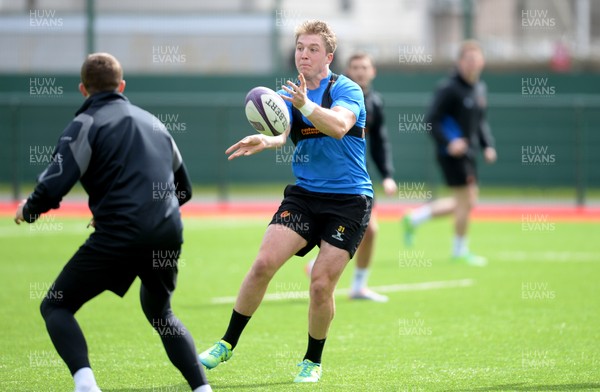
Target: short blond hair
(320,28)
(468,45)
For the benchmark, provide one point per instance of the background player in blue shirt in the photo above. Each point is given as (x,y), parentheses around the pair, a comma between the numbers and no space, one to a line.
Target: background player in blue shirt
(330,204)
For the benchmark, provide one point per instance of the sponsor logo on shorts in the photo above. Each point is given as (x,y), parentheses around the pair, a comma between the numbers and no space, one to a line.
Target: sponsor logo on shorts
(338,234)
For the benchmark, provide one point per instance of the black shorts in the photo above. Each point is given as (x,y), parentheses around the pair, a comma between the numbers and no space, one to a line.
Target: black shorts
(94,269)
(458,171)
(338,219)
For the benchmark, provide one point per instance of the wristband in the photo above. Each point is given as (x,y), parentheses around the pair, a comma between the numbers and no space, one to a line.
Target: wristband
(307,108)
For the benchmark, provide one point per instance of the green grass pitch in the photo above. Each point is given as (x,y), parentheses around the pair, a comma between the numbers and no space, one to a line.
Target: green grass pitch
(529,321)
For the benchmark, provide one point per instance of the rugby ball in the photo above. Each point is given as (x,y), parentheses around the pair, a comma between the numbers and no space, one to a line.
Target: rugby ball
(266,111)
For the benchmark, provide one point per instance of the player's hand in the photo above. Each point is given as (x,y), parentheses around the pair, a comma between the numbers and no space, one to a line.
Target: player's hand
(458,147)
(247,146)
(19,213)
(389,186)
(297,93)
(489,154)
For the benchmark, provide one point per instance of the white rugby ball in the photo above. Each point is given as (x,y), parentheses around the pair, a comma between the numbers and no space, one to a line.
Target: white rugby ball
(266,111)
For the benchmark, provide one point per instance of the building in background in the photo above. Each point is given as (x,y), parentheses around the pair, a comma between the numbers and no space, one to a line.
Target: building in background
(243,36)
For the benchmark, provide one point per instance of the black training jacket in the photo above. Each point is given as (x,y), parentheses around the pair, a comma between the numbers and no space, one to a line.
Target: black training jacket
(379,144)
(458,110)
(130,167)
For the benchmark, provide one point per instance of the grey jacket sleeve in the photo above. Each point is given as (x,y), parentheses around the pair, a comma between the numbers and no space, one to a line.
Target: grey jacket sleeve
(69,162)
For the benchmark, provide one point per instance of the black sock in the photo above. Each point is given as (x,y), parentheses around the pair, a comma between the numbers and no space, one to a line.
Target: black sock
(236,326)
(315,349)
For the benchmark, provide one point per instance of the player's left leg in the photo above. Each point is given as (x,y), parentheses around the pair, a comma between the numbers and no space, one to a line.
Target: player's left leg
(364,256)
(328,268)
(342,233)
(158,284)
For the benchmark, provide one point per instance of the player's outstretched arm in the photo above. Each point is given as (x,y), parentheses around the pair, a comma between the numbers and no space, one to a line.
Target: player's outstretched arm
(253,144)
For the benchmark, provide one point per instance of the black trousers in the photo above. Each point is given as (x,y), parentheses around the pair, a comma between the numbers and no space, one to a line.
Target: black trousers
(94,269)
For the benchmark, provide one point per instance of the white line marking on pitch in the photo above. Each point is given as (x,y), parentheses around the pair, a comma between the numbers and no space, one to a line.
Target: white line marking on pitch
(550,256)
(443,284)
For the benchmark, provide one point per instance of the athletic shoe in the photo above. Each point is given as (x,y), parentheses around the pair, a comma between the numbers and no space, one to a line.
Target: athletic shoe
(409,231)
(368,294)
(310,372)
(220,352)
(470,259)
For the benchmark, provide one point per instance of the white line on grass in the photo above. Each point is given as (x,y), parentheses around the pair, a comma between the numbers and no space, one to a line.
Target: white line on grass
(444,284)
(549,256)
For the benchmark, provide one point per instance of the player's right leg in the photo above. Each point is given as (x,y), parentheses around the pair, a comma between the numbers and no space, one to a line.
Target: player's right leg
(422,214)
(456,172)
(58,309)
(87,274)
(279,244)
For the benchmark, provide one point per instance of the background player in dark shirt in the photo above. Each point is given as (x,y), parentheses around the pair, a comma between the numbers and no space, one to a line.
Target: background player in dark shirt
(135,178)
(361,69)
(459,127)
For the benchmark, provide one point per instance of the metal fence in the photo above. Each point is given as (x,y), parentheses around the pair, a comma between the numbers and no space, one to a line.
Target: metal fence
(541,141)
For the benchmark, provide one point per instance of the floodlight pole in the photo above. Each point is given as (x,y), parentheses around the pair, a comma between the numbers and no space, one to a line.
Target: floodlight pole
(15,106)
(580,153)
(90,19)
(467,19)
